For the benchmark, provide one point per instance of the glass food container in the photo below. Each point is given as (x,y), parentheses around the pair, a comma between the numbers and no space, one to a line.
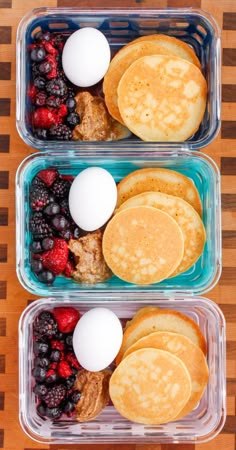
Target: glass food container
(193,26)
(201,425)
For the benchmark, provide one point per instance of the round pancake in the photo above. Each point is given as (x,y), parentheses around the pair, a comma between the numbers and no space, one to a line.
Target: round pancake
(191,355)
(142,245)
(180,48)
(186,217)
(159,180)
(162,98)
(150,386)
(139,314)
(161,320)
(122,60)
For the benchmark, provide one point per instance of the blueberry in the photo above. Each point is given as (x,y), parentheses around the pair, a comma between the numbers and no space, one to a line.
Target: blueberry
(71,104)
(75,397)
(60,223)
(52,209)
(77,233)
(53,413)
(36,247)
(46,315)
(69,382)
(69,340)
(39,374)
(73,119)
(41,362)
(55,355)
(36,266)
(47,243)
(39,82)
(46,277)
(40,348)
(52,378)
(66,234)
(69,407)
(41,133)
(40,390)
(40,36)
(45,67)
(41,410)
(37,54)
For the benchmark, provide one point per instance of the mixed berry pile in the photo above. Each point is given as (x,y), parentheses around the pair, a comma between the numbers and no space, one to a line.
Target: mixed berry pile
(55,364)
(51,93)
(51,226)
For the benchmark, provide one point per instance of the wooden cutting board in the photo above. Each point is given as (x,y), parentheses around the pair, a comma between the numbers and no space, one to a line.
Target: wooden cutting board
(13,298)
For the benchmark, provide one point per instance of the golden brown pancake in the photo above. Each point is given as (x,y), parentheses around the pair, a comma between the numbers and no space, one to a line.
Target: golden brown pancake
(159,180)
(186,217)
(142,245)
(162,98)
(191,355)
(161,320)
(150,386)
(126,56)
(171,43)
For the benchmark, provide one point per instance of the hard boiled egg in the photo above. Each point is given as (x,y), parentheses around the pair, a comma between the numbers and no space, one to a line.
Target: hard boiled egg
(86,57)
(97,339)
(92,198)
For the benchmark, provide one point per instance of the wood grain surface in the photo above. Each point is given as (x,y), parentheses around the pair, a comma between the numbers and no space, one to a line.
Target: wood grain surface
(13,298)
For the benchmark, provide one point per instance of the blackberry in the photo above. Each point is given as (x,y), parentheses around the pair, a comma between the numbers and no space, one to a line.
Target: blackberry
(73,119)
(69,340)
(39,83)
(60,223)
(53,413)
(41,133)
(45,67)
(55,395)
(53,102)
(64,206)
(60,132)
(57,87)
(37,182)
(60,188)
(39,197)
(71,104)
(47,243)
(38,226)
(36,266)
(52,209)
(40,348)
(45,315)
(45,327)
(37,54)
(40,98)
(46,277)
(35,70)
(40,390)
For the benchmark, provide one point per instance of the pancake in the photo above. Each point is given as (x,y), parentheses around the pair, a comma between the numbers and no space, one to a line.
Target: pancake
(139,314)
(150,386)
(159,180)
(191,355)
(173,44)
(142,245)
(161,320)
(128,54)
(186,217)
(162,98)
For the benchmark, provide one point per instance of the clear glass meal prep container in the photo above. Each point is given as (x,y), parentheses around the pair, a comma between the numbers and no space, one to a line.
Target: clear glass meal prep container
(201,425)
(194,26)
(201,277)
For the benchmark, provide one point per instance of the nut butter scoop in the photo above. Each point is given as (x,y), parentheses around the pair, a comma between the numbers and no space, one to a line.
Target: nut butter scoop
(94,388)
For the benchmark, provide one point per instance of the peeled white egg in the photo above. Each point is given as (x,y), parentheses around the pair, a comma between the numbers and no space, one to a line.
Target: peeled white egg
(86,57)
(92,198)
(97,339)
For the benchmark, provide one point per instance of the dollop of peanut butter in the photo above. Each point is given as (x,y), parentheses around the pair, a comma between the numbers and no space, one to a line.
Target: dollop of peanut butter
(94,388)
(96,124)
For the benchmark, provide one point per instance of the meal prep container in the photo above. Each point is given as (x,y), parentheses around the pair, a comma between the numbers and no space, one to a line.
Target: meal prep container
(201,277)
(201,425)
(194,26)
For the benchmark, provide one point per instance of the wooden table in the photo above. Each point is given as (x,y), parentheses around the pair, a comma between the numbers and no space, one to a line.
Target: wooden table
(13,298)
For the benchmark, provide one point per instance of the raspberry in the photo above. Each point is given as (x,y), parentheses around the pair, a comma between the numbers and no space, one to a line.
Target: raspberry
(32,91)
(38,226)
(55,260)
(58,345)
(39,197)
(50,49)
(60,188)
(64,370)
(69,269)
(45,118)
(63,110)
(48,176)
(40,99)
(72,360)
(66,318)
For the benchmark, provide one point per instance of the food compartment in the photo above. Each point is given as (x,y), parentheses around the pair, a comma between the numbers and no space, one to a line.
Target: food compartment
(202,276)
(201,425)
(195,27)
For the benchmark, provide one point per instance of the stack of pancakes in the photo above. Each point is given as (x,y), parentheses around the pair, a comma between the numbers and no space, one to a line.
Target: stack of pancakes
(154,86)
(157,231)
(161,369)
